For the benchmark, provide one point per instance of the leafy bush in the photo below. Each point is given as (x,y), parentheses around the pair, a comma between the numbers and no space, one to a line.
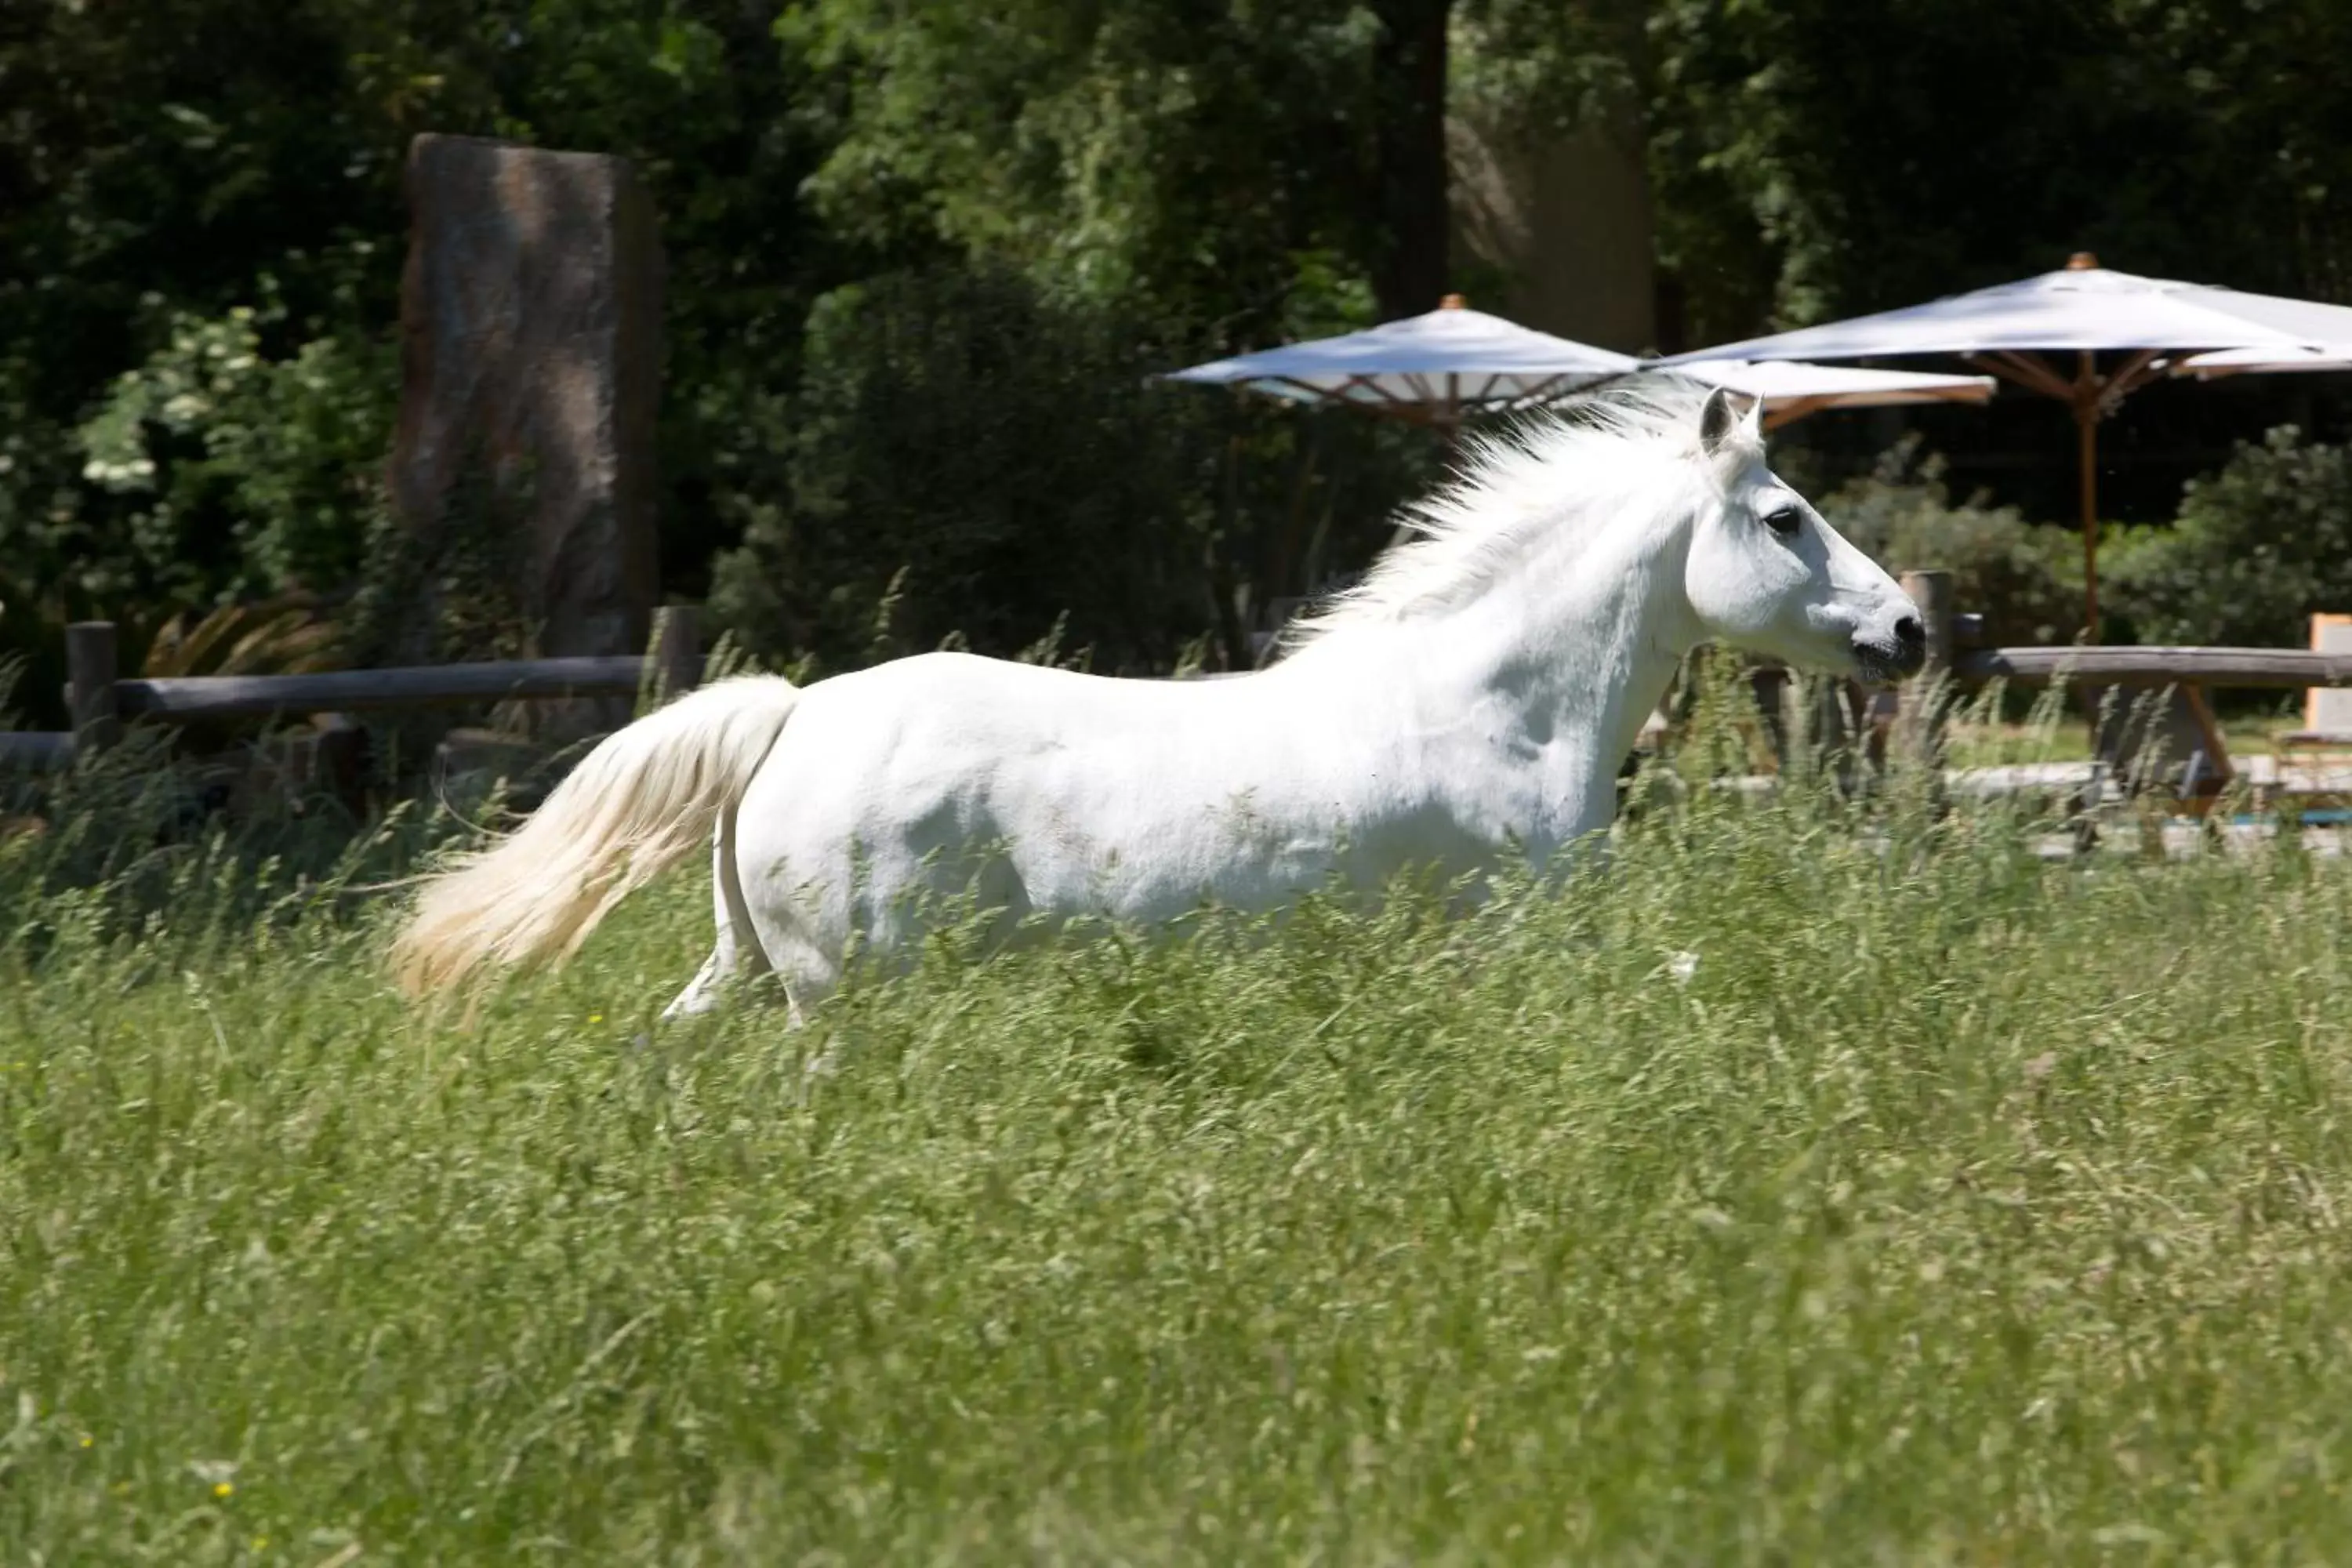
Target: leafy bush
(2021,578)
(282,636)
(211,442)
(216,472)
(2257,548)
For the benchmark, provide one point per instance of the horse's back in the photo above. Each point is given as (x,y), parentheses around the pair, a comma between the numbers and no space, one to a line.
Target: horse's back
(954,713)
(1081,793)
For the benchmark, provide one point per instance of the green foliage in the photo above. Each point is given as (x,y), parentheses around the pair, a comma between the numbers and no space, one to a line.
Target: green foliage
(1892,153)
(975,460)
(270,638)
(2258,548)
(241,475)
(981,461)
(1200,178)
(1953,1207)
(1542,68)
(2025,579)
(165,162)
(1206,160)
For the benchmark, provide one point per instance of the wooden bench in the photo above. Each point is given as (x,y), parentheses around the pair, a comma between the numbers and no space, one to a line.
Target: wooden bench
(2326,727)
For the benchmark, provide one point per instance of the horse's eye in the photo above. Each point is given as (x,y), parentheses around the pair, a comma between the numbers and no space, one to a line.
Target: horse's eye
(1784,522)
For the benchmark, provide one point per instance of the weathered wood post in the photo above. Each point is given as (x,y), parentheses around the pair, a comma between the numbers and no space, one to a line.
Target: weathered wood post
(1926,699)
(92,671)
(677,651)
(531,369)
(340,760)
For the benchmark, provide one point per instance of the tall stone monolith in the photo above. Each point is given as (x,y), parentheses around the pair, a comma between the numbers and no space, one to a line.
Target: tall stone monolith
(530,364)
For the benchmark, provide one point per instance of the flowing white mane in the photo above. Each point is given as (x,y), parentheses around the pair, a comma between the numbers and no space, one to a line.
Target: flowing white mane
(1530,477)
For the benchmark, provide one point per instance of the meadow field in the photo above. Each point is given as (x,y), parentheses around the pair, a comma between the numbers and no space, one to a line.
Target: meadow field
(1783,1194)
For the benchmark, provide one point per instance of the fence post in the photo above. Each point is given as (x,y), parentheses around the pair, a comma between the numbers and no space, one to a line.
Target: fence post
(677,651)
(1926,699)
(90,673)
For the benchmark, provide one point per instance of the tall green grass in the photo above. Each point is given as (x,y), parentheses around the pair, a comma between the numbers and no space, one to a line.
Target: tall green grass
(1955,1206)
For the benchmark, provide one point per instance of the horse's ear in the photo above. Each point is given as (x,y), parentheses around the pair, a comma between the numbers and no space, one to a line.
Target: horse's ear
(1717,422)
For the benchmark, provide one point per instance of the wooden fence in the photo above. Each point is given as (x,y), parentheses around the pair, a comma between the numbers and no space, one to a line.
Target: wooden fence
(2153,728)
(100,700)
(1954,644)
(2277,667)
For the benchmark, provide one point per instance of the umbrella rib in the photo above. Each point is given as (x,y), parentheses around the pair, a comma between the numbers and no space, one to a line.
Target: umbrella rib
(1592,381)
(1319,394)
(2137,372)
(1532,395)
(1793,409)
(2027,371)
(1382,392)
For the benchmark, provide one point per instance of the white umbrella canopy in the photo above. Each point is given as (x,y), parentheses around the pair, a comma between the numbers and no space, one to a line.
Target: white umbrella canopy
(2083,306)
(1790,389)
(1433,368)
(1454,361)
(2085,309)
(2265,362)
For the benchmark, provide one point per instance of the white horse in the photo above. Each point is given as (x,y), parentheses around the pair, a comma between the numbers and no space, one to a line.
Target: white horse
(1474,697)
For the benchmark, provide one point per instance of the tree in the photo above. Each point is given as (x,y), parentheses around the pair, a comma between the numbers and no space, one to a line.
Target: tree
(972,459)
(167,163)
(1261,171)
(1409,98)
(1891,152)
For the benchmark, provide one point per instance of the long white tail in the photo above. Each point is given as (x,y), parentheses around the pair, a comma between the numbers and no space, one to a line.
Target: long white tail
(643,798)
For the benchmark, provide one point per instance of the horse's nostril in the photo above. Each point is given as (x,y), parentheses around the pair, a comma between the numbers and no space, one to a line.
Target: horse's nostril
(1910,633)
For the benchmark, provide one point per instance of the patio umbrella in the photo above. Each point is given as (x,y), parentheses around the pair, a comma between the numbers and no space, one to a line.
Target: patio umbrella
(1436,369)
(1790,389)
(1431,369)
(2085,309)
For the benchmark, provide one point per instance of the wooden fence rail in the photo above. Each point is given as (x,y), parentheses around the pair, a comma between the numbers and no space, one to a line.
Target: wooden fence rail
(187,698)
(100,700)
(2227,667)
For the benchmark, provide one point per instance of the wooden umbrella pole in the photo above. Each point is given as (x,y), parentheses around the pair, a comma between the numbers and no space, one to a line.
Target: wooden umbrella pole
(2087,394)
(2087,426)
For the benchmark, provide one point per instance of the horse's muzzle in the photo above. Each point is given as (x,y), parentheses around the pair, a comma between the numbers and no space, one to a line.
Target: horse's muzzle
(1881,660)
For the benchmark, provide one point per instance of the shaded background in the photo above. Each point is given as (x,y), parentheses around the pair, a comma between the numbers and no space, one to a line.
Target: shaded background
(922,257)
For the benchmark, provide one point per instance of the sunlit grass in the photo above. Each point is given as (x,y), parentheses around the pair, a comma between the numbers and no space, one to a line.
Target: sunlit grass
(1958,1207)
(1984,743)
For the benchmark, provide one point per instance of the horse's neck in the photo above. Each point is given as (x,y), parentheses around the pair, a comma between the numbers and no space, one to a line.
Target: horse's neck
(1585,646)
(1570,655)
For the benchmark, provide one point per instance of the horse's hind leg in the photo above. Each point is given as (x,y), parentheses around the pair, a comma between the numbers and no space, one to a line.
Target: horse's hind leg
(809,974)
(702,993)
(737,955)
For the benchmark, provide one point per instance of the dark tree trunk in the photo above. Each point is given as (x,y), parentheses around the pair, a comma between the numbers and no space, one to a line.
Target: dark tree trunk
(1408,64)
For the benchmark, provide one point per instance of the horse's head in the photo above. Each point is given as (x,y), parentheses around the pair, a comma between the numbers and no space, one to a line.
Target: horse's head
(1765,572)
